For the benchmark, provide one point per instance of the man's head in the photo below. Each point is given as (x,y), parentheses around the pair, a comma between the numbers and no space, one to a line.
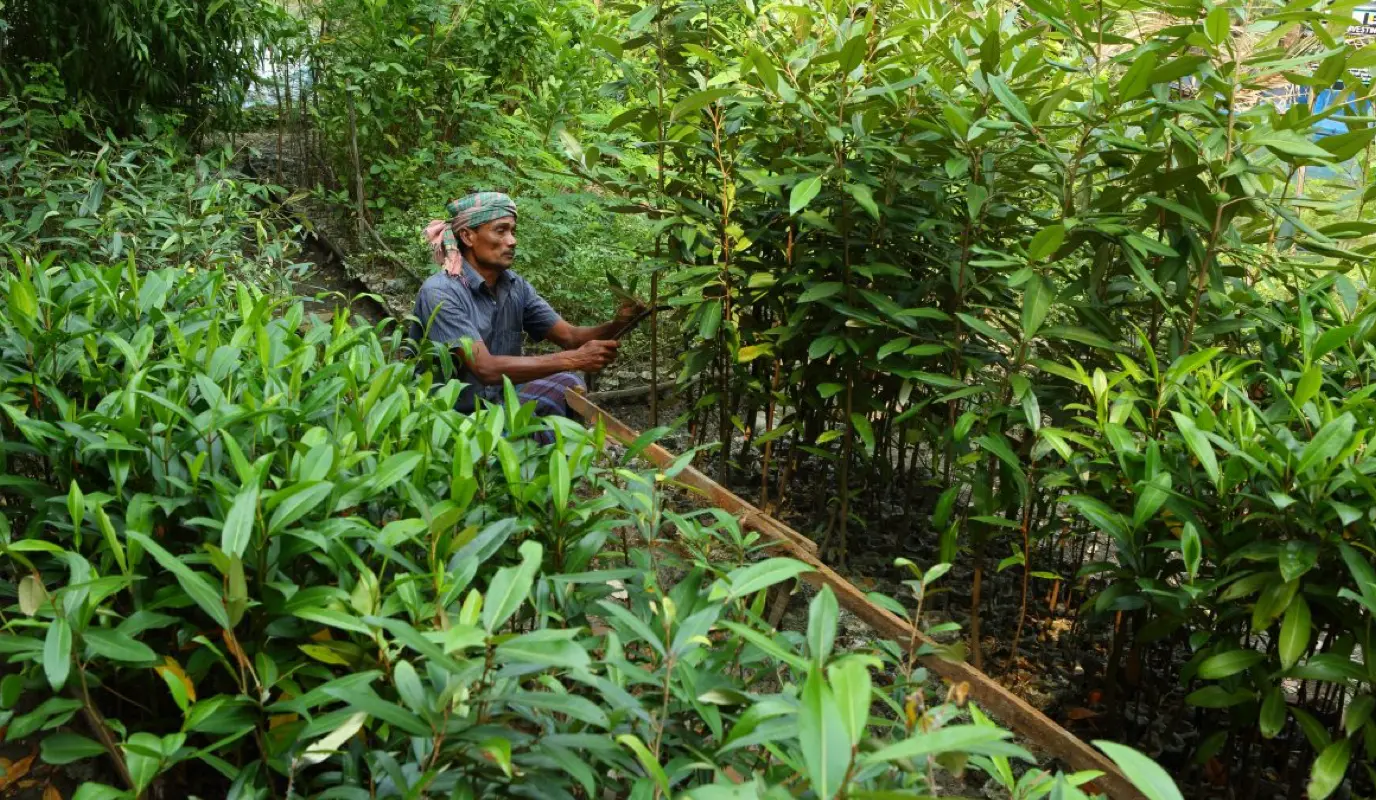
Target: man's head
(485,227)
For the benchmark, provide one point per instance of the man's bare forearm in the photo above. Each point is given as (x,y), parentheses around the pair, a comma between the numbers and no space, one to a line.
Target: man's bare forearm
(490,369)
(589,333)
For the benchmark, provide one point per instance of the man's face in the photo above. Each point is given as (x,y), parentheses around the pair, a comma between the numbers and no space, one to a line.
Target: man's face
(492,244)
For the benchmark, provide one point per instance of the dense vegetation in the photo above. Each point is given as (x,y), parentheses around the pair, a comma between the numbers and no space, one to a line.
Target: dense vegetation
(1056,281)
(240,537)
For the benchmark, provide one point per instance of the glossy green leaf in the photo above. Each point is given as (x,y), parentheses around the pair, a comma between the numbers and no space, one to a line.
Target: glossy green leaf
(1148,776)
(804,192)
(825,743)
(1295,632)
(1329,769)
(57,653)
(1330,440)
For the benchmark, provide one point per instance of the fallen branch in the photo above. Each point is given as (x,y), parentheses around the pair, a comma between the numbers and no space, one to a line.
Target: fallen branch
(1041,731)
(632,393)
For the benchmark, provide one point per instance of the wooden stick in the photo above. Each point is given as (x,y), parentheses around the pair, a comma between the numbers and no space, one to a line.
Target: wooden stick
(1041,732)
(634,392)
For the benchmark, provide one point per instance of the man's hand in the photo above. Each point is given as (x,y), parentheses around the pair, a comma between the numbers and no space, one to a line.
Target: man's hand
(595,355)
(628,310)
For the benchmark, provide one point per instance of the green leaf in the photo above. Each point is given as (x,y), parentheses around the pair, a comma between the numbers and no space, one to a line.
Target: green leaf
(1294,632)
(1009,100)
(1344,146)
(647,761)
(766,645)
(23,299)
(998,445)
(1358,713)
(64,748)
(1218,24)
(821,625)
(851,685)
(57,653)
(545,648)
(143,756)
(1071,333)
(861,424)
(1308,385)
(1222,665)
(1191,548)
(864,196)
(1177,68)
(99,791)
(1189,363)
(76,505)
(803,192)
(1273,602)
(618,613)
(711,320)
(1199,444)
(820,291)
(1036,303)
(1297,558)
(1329,769)
(1100,515)
(117,646)
(202,591)
(1272,718)
(367,701)
(1287,143)
(398,466)
(559,481)
(747,580)
(1045,242)
(1363,573)
(1333,339)
(237,532)
(973,739)
(698,101)
(825,744)
(1327,443)
(1137,79)
(303,498)
(409,686)
(985,328)
(511,586)
(1148,776)
(1154,494)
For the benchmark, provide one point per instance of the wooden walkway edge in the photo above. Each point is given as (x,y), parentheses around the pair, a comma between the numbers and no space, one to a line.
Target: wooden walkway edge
(1042,732)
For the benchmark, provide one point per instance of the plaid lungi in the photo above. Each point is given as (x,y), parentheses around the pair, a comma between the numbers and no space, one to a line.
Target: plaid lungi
(548,394)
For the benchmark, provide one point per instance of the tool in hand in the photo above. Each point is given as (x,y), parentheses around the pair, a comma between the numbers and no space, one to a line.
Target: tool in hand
(639,318)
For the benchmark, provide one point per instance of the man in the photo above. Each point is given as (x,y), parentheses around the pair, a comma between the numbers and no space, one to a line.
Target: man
(477,297)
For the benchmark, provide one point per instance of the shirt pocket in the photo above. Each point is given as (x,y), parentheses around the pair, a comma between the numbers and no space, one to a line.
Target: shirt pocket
(506,332)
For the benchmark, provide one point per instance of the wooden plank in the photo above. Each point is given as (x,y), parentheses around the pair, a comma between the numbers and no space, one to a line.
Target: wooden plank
(1041,731)
(751,518)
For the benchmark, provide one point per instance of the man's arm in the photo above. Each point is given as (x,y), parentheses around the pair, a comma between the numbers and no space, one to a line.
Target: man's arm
(590,356)
(571,337)
(541,321)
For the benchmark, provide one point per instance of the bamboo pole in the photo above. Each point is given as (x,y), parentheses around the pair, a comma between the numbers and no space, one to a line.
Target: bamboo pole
(1041,731)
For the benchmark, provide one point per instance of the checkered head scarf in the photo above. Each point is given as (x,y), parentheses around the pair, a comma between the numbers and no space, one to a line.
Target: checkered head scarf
(466,212)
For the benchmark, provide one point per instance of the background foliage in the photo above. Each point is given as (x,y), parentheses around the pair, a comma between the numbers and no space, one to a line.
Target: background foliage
(1060,292)
(127,56)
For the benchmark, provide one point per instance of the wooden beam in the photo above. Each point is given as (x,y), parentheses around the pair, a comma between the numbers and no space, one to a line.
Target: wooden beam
(1042,732)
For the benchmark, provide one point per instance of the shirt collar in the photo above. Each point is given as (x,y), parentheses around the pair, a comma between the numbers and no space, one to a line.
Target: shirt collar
(474,281)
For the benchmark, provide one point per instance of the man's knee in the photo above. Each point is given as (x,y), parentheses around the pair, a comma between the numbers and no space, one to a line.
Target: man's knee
(572,380)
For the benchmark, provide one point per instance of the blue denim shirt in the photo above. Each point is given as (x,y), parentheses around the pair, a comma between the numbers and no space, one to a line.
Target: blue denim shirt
(470,309)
